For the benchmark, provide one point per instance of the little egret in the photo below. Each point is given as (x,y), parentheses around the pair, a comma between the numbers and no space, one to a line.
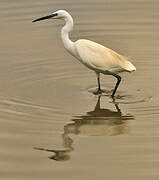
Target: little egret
(94,56)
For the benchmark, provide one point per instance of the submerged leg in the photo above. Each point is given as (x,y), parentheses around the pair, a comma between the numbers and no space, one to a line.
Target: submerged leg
(117,84)
(98,79)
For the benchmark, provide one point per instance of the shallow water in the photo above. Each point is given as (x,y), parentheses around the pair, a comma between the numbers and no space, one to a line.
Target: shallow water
(52,124)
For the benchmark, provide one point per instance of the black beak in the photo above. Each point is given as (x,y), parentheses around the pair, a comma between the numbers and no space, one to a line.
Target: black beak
(45,17)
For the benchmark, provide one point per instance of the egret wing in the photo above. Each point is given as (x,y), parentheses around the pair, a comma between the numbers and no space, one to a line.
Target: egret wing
(96,56)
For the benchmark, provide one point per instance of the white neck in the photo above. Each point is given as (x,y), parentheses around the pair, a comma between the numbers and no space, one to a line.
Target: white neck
(68,44)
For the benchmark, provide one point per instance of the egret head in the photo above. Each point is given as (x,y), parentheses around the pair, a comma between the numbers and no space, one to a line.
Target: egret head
(60,14)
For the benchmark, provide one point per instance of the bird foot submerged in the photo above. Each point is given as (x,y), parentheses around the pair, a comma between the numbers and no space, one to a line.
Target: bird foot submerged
(135,96)
(111,99)
(122,97)
(104,92)
(96,91)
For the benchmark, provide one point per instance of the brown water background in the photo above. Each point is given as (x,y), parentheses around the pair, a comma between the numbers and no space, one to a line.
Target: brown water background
(51,124)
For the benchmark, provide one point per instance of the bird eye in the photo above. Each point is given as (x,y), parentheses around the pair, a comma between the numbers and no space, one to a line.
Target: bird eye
(55,14)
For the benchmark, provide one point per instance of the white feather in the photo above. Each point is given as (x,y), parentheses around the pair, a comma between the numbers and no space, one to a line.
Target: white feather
(101,59)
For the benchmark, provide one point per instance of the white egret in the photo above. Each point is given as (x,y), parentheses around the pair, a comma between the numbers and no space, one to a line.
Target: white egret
(94,56)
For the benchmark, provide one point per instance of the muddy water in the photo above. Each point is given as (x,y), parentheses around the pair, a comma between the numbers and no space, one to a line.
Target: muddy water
(52,126)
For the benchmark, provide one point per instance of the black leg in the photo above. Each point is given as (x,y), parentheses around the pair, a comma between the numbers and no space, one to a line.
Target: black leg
(98,79)
(117,84)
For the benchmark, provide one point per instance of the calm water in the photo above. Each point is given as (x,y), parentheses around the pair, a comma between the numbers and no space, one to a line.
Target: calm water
(51,124)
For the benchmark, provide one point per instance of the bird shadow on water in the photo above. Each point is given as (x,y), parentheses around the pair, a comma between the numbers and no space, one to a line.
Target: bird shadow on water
(97,122)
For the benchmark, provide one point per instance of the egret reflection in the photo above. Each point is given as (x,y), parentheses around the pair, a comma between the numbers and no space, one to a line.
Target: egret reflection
(98,122)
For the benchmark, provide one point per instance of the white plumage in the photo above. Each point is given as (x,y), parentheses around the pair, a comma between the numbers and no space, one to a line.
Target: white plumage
(93,55)
(101,59)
